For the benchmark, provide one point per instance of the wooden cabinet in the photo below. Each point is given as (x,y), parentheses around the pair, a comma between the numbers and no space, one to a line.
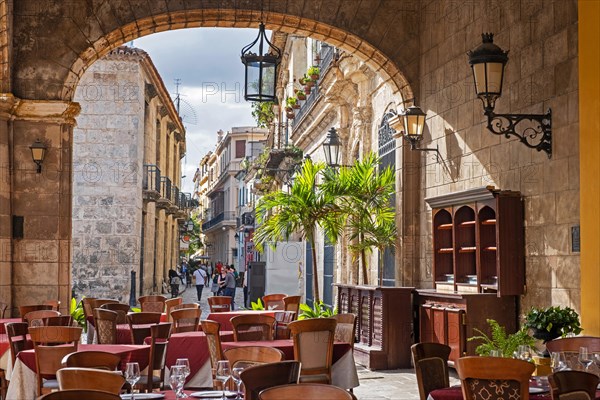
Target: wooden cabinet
(384,327)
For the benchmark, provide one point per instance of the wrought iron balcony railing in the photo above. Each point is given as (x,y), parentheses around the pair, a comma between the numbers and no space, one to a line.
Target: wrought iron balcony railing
(227,217)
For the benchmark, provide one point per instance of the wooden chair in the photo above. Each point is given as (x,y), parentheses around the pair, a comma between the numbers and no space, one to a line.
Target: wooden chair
(250,327)
(573,344)
(106,326)
(153,303)
(90,379)
(121,309)
(282,320)
(253,355)
(211,330)
(573,385)
(274,301)
(3,308)
(98,303)
(36,318)
(17,338)
(3,384)
(61,320)
(185,305)
(54,303)
(80,395)
(48,356)
(170,303)
(139,323)
(431,367)
(186,320)
(345,328)
(92,359)
(305,391)
(480,375)
(219,303)
(292,303)
(313,347)
(159,334)
(89,316)
(24,310)
(261,377)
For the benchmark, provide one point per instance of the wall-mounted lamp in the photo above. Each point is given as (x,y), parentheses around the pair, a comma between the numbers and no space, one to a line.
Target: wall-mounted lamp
(331,148)
(410,125)
(189,225)
(236,236)
(487,62)
(261,68)
(38,152)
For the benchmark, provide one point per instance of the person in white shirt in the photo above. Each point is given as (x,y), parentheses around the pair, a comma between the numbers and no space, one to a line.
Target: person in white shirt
(200,276)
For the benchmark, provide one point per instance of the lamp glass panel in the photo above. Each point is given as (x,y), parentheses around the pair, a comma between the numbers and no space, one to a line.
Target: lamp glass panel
(413,125)
(494,77)
(268,82)
(37,153)
(479,75)
(253,75)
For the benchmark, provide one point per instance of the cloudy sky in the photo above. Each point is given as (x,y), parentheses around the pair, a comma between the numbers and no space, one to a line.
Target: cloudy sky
(207,60)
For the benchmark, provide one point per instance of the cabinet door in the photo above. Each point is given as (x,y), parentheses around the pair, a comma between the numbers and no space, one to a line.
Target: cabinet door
(425,324)
(456,332)
(439,324)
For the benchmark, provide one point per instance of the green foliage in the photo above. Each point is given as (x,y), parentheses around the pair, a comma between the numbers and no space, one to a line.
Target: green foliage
(318,310)
(136,309)
(76,311)
(555,320)
(263,113)
(506,344)
(258,305)
(291,101)
(314,70)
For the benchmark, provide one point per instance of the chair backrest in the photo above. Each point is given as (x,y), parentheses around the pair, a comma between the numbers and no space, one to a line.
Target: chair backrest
(36,307)
(48,356)
(253,327)
(92,359)
(480,375)
(274,301)
(253,355)
(574,343)
(211,330)
(54,303)
(36,318)
(153,303)
(61,320)
(17,338)
(90,379)
(431,367)
(313,347)
(186,305)
(170,303)
(121,309)
(282,320)
(305,391)
(87,307)
(3,308)
(292,303)
(159,334)
(345,328)
(186,320)
(219,303)
(264,376)
(139,323)
(573,385)
(79,395)
(98,303)
(106,326)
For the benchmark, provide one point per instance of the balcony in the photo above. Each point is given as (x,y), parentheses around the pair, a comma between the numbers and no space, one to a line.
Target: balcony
(164,200)
(174,199)
(226,218)
(151,183)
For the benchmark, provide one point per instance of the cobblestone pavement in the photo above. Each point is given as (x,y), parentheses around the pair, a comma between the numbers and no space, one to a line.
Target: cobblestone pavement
(374,385)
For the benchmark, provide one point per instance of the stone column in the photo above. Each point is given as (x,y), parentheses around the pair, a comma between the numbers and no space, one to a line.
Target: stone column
(7,104)
(40,257)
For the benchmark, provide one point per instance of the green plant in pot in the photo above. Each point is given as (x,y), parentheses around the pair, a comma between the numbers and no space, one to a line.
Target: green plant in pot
(499,340)
(552,322)
(314,72)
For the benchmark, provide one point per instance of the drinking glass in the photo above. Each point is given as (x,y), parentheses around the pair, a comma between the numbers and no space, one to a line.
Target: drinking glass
(223,373)
(176,380)
(558,361)
(524,353)
(585,357)
(495,353)
(184,362)
(132,375)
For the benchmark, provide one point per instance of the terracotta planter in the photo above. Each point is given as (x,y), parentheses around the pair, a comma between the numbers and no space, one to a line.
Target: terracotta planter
(301,96)
(289,109)
(309,84)
(290,115)
(315,77)
(307,89)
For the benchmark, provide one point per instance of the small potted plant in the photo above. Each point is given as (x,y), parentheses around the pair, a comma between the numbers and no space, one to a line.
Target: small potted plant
(290,103)
(506,345)
(314,72)
(300,95)
(552,322)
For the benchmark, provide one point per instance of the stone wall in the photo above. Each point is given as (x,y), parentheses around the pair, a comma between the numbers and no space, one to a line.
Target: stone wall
(541,73)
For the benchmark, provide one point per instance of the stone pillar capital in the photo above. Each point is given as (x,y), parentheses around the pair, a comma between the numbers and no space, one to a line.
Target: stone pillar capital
(49,111)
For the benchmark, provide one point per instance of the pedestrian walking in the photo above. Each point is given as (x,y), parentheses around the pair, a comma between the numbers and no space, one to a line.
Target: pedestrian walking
(201,279)
(174,281)
(229,285)
(214,287)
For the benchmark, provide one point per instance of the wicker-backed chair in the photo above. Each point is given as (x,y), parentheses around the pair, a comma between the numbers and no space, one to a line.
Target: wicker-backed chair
(24,310)
(17,338)
(185,305)
(305,391)
(507,378)
(345,328)
(121,309)
(36,318)
(89,316)
(253,327)
(54,303)
(80,395)
(219,303)
(313,347)
(186,320)
(282,320)
(431,367)
(139,323)
(90,379)
(98,303)
(48,355)
(573,385)
(211,330)
(264,376)
(92,359)
(61,320)
(106,326)
(274,301)
(292,303)
(159,334)
(169,304)
(572,344)
(153,303)
(253,355)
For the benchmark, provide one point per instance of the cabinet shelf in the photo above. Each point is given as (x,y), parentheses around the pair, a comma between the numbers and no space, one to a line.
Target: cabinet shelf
(488,222)
(467,223)
(467,249)
(490,248)
(446,250)
(444,226)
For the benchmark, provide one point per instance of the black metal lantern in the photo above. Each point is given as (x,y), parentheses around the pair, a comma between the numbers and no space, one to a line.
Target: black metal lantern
(38,152)
(413,123)
(331,148)
(261,68)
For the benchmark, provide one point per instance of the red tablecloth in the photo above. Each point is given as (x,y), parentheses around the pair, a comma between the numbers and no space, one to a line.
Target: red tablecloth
(455,393)
(224,318)
(128,353)
(287,347)
(4,345)
(6,321)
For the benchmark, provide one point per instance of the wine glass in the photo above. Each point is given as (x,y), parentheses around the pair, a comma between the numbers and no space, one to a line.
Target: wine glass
(495,353)
(558,361)
(524,353)
(585,357)
(223,373)
(132,375)
(184,362)
(176,380)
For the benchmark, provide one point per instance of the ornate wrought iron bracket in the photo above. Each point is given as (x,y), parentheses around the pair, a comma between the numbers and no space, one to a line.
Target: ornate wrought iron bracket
(438,155)
(537,133)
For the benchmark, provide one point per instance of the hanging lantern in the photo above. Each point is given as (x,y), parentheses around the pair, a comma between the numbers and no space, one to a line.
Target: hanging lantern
(261,68)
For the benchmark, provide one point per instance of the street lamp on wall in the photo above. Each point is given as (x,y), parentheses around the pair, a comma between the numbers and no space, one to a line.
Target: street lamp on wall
(261,68)
(410,125)
(331,148)
(38,152)
(487,62)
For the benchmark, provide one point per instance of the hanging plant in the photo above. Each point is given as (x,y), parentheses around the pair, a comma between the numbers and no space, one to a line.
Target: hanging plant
(263,113)
(314,72)
(300,95)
